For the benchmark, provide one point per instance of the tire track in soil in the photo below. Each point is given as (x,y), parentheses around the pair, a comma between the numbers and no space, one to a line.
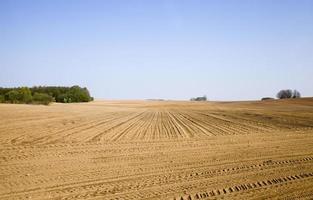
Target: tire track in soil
(155,150)
(147,181)
(219,193)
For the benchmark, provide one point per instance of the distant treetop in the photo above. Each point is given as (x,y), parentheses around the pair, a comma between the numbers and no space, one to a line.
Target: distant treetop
(204,98)
(287,94)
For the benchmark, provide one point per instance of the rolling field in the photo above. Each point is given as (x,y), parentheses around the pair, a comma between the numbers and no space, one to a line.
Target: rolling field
(157,150)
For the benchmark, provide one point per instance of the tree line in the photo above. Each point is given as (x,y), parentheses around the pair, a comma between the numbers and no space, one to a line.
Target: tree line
(44,95)
(285,94)
(282,94)
(288,94)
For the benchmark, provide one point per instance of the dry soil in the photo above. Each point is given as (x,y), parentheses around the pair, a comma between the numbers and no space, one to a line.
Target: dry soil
(157,150)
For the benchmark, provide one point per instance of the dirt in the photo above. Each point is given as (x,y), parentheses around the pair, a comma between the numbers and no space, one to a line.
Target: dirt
(157,150)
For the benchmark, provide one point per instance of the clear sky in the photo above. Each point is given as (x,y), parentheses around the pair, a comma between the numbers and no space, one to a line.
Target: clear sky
(228,50)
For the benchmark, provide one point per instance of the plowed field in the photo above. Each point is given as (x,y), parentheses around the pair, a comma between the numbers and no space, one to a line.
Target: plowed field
(157,150)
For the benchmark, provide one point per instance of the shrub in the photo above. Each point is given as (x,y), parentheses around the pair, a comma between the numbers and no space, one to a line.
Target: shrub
(13,96)
(42,98)
(77,94)
(2,99)
(65,98)
(267,98)
(25,95)
(19,95)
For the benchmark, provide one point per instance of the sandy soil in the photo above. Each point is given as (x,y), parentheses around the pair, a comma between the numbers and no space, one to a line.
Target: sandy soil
(157,150)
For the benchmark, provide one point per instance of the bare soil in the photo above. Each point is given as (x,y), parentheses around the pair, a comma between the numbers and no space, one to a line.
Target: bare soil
(157,150)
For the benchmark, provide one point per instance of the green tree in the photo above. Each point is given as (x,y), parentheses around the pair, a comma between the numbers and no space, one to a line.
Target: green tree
(25,95)
(13,96)
(60,94)
(63,98)
(42,98)
(2,99)
(78,94)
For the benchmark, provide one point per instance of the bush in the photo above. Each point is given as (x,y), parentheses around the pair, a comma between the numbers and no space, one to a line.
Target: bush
(42,98)
(25,95)
(13,96)
(287,94)
(20,95)
(267,98)
(2,99)
(62,98)
(77,94)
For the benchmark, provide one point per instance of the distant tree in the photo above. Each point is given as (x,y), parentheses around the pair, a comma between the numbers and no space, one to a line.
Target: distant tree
(62,98)
(284,94)
(59,94)
(42,98)
(3,91)
(13,96)
(204,98)
(25,95)
(287,94)
(2,99)
(296,94)
(78,94)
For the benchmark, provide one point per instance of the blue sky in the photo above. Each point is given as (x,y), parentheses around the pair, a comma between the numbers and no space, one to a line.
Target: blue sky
(228,50)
